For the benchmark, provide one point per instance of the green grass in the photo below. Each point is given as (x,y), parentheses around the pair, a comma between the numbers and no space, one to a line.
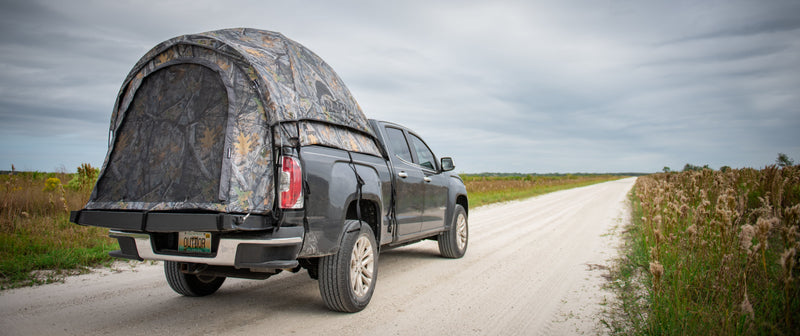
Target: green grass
(630,280)
(23,257)
(33,256)
(484,190)
(38,244)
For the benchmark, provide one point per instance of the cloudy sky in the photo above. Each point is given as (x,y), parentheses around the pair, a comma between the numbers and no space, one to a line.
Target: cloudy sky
(502,86)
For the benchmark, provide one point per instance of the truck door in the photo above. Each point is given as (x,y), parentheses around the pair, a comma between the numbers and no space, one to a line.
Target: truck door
(410,187)
(435,202)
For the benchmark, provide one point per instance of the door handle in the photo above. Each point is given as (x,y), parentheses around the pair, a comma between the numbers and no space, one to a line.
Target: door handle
(427,179)
(402,174)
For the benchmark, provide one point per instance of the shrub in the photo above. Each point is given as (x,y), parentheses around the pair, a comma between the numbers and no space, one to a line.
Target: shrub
(85,178)
(52,184)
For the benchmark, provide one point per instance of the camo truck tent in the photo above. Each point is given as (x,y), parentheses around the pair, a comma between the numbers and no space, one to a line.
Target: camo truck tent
(199,122)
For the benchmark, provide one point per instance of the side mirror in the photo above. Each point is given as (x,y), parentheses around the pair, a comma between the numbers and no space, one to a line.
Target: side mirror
(447,164)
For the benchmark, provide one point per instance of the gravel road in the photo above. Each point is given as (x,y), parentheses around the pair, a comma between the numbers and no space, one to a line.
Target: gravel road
(532,267)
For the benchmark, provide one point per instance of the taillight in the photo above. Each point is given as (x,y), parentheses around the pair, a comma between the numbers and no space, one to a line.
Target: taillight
(291,183)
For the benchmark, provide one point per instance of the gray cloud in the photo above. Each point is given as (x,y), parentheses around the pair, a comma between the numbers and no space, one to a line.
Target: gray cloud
(501,86)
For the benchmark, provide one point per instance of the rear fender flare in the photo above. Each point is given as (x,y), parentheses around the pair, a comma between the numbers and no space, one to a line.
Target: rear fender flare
(327,225)
(368,197)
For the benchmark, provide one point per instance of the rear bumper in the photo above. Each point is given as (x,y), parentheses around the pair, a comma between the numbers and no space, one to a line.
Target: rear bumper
(144,221)
(263,252)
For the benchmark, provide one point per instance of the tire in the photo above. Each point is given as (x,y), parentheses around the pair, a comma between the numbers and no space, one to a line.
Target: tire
(190,284)
(453,242)
(347,278)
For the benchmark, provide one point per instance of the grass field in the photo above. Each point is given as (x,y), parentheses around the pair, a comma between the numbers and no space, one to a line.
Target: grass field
(486,189)
(38,244)
(713,253)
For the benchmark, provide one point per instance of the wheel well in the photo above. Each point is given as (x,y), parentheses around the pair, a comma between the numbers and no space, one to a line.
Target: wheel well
(462,200)
(369,214)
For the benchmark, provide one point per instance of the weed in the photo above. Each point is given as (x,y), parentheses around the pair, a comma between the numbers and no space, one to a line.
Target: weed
(38,244)
(719,250)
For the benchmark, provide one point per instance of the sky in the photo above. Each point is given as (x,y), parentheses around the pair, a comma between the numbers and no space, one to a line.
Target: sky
(500,86)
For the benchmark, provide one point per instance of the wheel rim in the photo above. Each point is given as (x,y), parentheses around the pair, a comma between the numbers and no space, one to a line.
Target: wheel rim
(362,265)
(461,231)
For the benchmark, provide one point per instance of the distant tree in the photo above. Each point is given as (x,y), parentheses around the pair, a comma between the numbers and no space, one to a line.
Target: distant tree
(667,169)
(725,169)
(691,167)
(783,160)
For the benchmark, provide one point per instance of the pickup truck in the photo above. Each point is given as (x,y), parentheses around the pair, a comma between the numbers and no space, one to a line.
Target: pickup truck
(240,153)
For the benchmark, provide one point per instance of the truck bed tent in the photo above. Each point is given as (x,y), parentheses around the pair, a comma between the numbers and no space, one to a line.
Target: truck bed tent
(198,121)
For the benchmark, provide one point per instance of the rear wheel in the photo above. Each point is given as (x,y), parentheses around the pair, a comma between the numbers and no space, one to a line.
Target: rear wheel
(190,284)
(453,242)
(347,278)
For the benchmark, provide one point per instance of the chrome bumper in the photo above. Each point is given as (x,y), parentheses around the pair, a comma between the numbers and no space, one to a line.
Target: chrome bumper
(226,254)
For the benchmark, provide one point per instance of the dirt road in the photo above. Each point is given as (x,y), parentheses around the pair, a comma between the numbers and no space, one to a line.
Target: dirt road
(533,267)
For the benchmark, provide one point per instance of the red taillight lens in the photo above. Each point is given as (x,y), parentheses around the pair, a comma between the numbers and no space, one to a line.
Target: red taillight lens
(291,183)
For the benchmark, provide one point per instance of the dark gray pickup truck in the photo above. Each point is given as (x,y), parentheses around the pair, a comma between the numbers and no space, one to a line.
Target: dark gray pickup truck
(240,153)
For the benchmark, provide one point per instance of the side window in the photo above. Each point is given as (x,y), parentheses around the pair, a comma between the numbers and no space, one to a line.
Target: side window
(398,144)
(424,153)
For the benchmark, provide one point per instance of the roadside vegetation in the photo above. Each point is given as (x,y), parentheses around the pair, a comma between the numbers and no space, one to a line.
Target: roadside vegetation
(38,244)
(492,188)
(712,253)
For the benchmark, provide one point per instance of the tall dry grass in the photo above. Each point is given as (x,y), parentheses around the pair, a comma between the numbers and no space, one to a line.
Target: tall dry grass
(718,251)
(35,232)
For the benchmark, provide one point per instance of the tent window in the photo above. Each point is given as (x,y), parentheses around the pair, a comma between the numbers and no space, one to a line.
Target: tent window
(169,147)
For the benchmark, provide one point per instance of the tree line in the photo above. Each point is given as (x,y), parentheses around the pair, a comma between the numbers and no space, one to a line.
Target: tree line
(783,160)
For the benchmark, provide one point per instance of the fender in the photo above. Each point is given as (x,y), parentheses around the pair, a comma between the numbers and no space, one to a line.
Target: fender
(456,190)
(370,192)
(333,186)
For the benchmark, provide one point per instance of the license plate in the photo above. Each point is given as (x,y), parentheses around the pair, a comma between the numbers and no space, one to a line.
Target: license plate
(194,242)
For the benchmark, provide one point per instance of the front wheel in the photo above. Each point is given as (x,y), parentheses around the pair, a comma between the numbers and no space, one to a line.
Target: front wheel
(190,284)
(347,278)
(453,242)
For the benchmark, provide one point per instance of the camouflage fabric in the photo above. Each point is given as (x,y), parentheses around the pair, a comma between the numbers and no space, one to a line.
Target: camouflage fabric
(199,117)
(315,133)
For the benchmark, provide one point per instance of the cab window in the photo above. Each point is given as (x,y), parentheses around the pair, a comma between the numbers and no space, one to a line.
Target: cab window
(424,154)
(398,144)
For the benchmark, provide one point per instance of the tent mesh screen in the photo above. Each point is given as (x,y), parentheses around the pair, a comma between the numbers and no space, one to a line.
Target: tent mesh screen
(170,146)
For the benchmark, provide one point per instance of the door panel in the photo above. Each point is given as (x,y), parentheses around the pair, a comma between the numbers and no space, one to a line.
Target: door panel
(435,202)
(435,185)
(409,198)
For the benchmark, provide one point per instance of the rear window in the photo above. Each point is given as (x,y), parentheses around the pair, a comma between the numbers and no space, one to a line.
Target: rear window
(398,143)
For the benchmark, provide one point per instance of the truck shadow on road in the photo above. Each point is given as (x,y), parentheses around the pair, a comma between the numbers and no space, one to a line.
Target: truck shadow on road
(285,294)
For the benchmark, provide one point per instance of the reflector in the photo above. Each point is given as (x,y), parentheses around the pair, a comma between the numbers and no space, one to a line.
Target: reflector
(291,183)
